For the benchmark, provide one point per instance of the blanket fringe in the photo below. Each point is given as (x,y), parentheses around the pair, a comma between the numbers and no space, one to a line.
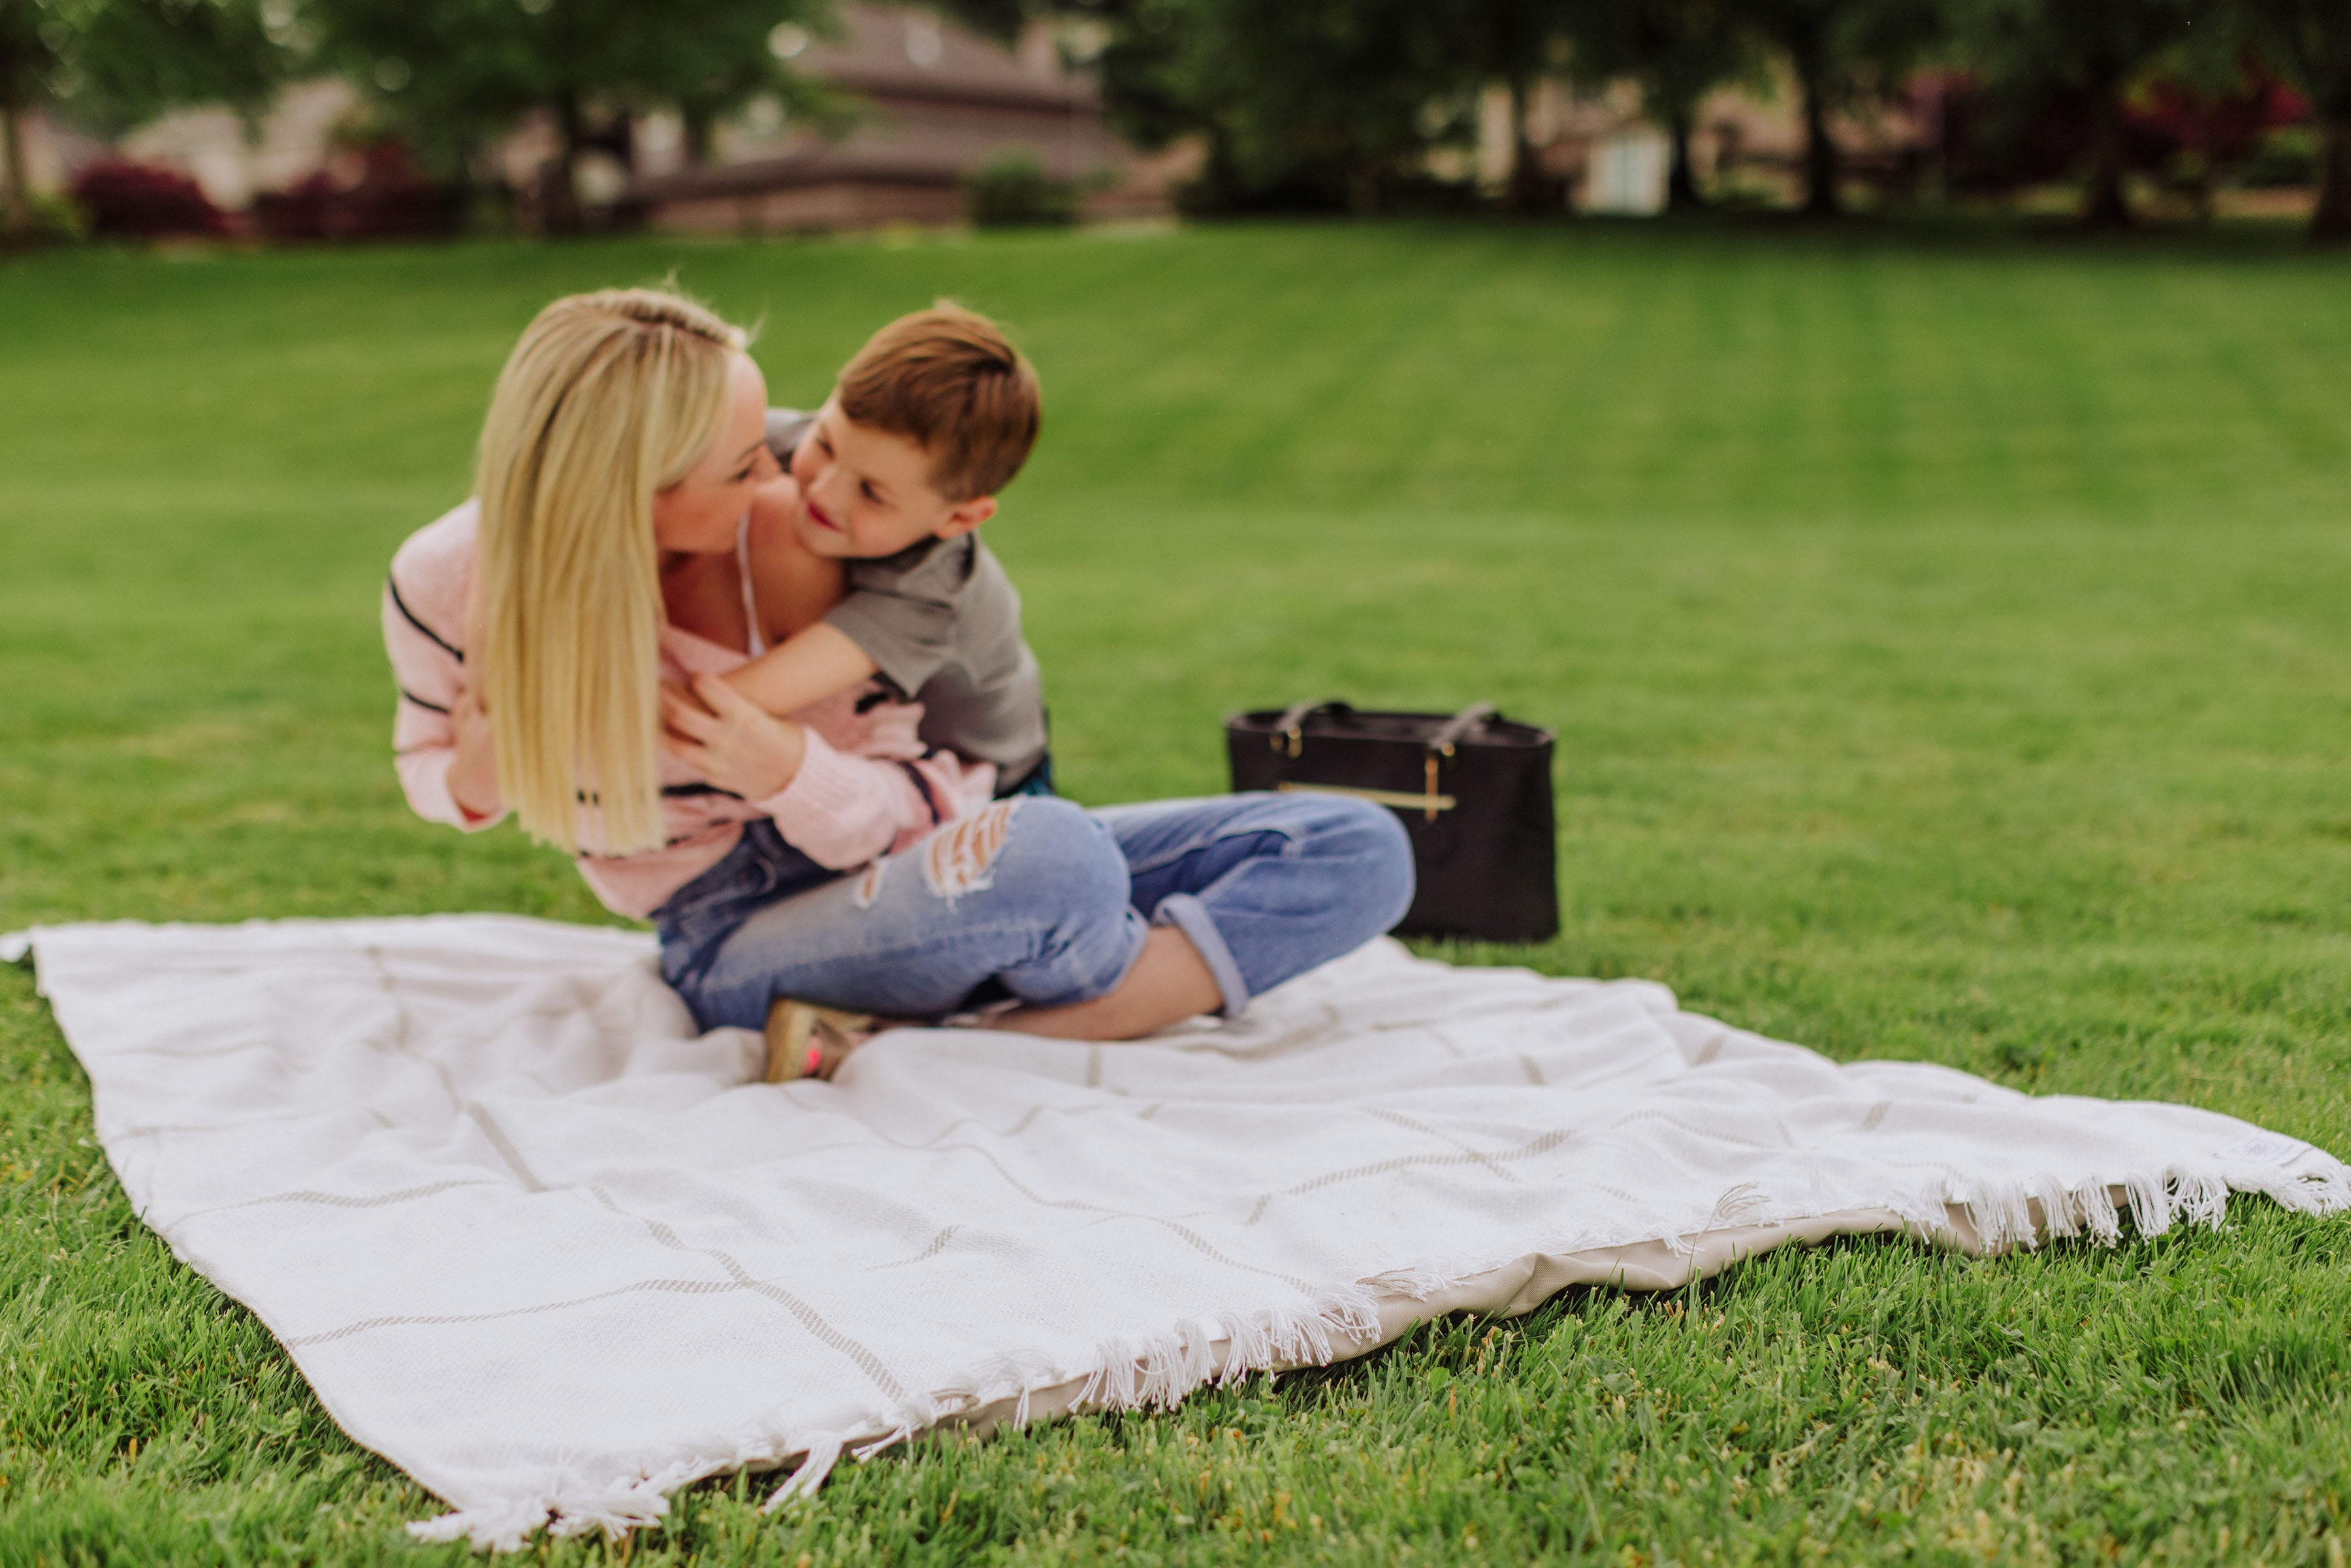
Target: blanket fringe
(497,1528)
(2021,1214)
(568,1510)
(823,1454)
(865,1451)
(1158,1371)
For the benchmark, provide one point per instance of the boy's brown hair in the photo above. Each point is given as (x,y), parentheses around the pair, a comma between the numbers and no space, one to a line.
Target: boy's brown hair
(949,379)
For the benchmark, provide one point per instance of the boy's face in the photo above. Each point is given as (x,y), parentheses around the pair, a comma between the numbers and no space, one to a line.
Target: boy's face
(866,492)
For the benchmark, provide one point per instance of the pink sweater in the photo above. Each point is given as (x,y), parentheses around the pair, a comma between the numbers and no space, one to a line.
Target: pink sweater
(864,788)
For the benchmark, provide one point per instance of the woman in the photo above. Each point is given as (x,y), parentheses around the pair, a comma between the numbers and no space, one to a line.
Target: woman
(556,640)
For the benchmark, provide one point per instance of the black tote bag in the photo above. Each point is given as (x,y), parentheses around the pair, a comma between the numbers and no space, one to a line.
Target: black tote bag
(1472,789)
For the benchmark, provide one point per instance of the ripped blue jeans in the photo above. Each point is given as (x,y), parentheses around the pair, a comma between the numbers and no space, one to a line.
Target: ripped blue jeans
(1038,900)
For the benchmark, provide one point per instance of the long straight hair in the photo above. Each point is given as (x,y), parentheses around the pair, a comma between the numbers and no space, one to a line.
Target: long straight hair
(608,398)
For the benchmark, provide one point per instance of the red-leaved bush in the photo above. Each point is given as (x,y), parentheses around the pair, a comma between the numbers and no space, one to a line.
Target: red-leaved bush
(390,201)
(139,201)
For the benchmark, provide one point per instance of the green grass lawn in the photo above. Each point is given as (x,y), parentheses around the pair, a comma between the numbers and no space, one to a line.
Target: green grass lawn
(1949,637)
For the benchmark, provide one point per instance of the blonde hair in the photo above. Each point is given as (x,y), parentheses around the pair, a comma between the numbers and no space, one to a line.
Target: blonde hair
(608,398)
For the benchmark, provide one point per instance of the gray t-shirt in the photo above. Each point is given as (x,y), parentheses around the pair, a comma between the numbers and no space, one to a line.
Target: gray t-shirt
(942,621)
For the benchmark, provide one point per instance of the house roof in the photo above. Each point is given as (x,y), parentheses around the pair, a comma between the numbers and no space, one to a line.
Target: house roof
(893,52)
(925,75)
(919,156)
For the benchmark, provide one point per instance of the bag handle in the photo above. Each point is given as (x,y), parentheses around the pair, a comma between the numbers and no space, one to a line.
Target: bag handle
(1288,735)
(1289,730)
(1441,745)
(1289,739)
(1459,724)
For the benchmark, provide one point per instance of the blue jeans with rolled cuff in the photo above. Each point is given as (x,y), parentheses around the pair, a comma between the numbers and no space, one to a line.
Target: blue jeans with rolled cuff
(1040,900)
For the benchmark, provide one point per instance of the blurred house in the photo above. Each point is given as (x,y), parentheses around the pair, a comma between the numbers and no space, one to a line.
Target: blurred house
(935,103)
(930,103)
(1594,147)
(295,139)
(56,152)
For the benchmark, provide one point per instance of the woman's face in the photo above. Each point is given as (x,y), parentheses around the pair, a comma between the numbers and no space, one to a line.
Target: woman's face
(697,515)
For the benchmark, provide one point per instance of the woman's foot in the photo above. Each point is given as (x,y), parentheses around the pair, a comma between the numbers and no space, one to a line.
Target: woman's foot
(805,1040)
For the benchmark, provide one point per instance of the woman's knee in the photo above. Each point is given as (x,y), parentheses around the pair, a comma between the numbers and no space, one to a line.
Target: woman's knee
(1368,851)
(1027,848)
(1350,859)
(1060,877)
(1362,852)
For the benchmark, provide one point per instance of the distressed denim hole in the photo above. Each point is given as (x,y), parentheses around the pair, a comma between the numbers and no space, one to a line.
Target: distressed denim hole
(960,858)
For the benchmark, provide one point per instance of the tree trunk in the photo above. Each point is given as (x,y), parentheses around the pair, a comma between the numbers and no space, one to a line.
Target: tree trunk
(2330,222)
(1524,194)
(17,194)
(619,139)
(701,130)
(559,189)
(1823,161)
(2105,203)
(1681,178)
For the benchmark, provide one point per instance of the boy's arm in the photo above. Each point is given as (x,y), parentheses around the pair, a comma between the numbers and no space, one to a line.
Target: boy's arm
(804,668)
(799,586)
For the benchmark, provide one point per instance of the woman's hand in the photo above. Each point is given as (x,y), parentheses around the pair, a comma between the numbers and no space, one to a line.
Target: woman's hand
(473,776)
(717,732)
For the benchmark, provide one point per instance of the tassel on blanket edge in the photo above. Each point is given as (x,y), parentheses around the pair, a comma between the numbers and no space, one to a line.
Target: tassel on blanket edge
(1165,1368)
(1016,1376)
(635,1507)
(2308,1192)
(2004,1216)
(823,1453)
(632,1505)
(494,1528)
(865,1451)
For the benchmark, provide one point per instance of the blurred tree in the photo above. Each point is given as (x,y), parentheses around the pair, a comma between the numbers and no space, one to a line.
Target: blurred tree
(1516,43)
(2196,130)
(1678,51)
(1309,103)
(1151,86)
(1002,20)
(2100,49)
(452,75)
(2309,43)
(112,63)
(1846,53)
(25,64)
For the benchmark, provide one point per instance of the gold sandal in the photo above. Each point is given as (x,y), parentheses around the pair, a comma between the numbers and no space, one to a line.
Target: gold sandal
(805,1040)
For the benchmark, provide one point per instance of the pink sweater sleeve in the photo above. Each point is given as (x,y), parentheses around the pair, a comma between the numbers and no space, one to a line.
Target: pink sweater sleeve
(841,811)
(423,608)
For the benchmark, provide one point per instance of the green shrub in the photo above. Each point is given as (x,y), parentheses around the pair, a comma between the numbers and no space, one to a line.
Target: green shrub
(1013,191)
(49,219)
(2289,157)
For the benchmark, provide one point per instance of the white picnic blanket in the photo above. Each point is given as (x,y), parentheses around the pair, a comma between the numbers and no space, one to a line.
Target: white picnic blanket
(537,1243)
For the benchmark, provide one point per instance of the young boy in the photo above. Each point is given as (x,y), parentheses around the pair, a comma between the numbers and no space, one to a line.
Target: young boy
(892,478)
